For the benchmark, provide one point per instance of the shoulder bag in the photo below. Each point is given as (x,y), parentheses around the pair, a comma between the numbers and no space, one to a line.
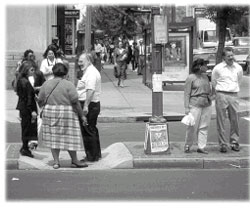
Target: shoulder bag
(41,112)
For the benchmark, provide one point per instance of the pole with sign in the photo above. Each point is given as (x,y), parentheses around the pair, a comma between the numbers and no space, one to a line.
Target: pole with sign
(156,134)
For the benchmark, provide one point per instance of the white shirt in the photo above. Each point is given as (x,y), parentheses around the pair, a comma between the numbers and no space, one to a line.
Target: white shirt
(46,67)
(227,78)
(32,80)
(91,79)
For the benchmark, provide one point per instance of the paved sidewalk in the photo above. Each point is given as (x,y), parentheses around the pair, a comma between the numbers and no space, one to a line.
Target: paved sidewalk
(130,104)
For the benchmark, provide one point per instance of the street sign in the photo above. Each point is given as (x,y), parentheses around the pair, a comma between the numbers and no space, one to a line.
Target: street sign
(199,12)
(160,29)
(157,82)
(72,13)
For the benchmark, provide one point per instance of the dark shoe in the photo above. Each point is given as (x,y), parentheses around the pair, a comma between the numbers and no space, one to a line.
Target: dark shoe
(235,147)
(90,159)
(202,151)
(78,165)
(187,149)
(223,149)
(25,152)
(56,166)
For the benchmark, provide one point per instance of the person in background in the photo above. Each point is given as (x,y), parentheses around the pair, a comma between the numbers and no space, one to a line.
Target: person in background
(55,43)
(98,52)
(61,58)
(27,55)
(129,53)
(48,62)
(135,56)
(89,90)
(111,51)
(197,101)
(141,61)
(61,113)
(120,56)
(226,78)
(27,107)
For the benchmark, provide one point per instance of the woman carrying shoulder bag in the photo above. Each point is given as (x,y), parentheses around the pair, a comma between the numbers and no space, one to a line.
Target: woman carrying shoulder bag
(60,126)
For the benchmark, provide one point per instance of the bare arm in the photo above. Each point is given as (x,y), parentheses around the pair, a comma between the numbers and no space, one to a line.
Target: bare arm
(187,92)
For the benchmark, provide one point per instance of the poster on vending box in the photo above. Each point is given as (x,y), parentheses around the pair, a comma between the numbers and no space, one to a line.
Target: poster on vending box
(156,137)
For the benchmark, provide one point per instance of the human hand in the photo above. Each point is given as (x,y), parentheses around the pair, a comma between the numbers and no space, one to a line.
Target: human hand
(84,121)
(33,116)
(187,111)
(85,110)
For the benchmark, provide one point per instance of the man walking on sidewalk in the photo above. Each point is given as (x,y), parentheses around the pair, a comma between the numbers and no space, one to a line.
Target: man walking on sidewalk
(226,77)
(141,58)
(89,90)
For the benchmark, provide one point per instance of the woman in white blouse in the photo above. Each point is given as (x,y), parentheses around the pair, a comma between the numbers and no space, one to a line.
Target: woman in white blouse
(48,62)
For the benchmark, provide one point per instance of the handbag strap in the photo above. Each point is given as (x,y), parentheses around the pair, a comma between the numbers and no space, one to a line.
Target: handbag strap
(51,92)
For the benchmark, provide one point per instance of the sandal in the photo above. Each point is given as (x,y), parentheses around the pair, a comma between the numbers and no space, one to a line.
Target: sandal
(56,165)
(187,149)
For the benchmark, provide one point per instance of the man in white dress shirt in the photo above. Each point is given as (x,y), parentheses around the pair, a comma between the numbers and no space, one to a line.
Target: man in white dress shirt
(89,90)
(226,77)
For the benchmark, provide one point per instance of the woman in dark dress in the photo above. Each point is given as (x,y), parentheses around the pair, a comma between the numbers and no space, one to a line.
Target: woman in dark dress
(27,106)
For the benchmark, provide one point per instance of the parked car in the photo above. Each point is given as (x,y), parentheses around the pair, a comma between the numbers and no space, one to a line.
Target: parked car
(247,66)
(208,55)
(241,41)
(240,54)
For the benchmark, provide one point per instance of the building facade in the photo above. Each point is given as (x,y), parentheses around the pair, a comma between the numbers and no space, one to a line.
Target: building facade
(27,27)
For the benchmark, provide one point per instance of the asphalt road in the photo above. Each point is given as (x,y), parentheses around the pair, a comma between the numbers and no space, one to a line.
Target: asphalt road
(137,185)
(120,132)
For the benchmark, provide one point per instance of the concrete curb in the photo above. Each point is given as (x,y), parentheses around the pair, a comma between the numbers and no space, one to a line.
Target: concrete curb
(145,118)
(177,159)
(130,155)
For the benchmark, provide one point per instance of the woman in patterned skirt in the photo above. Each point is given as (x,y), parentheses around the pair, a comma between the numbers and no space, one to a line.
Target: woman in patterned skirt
(60,126)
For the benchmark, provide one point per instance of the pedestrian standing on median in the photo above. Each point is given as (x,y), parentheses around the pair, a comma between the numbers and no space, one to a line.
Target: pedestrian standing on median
(197,101)
(120,57)
(27,107)
(89,90)
(226,78)
(60,117)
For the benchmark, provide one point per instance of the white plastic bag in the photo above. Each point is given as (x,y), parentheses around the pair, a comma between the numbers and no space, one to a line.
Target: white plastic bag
(188,120)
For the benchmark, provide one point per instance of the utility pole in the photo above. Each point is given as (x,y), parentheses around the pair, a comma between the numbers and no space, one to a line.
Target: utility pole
(87,40)
(156,135)
(157,97)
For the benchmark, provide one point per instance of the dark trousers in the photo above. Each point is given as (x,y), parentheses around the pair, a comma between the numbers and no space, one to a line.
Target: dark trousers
(90,132)
(29,129)
(141,65)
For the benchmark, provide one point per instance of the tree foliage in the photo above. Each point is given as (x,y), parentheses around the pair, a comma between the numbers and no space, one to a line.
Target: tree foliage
(116,21)
(225,16)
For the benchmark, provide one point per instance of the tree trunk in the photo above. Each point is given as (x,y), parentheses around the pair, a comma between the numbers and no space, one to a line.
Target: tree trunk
(222,28)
